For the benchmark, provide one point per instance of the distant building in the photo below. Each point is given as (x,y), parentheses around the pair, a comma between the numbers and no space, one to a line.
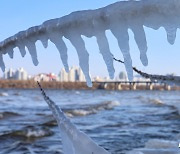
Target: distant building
(75,74)
(19,74)
(81,76)
(140,78)
(63,75)
(45,77)
(52,77)
(122,76)
(98,79)
(71,74)
(9,74)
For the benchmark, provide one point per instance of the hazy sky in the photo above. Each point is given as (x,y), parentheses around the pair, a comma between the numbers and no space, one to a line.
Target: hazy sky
(19,15)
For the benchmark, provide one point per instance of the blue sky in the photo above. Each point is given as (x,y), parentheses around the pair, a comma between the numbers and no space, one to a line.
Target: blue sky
(21,14)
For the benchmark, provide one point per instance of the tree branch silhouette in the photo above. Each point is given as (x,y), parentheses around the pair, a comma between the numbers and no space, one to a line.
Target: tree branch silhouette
(170,79)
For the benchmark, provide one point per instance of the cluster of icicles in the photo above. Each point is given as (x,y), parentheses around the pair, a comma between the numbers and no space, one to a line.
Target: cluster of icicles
(117,17)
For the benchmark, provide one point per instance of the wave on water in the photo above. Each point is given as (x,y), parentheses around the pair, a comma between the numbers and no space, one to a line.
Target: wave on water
(84,111)
(158,146)
(17,94)
(156,101)
(77,92)
(173,105)
(29,132)
(4,115)
(24,147)
(4,94)
(92,109)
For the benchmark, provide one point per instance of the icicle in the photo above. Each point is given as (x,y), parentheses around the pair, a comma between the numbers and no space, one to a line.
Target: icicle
(105,51)
(122,36)
(10,52)
(61,46)
(140,38)
(32,50)
(74,141)
(171,34)
(83,55)
(22,49)
(2,65)
(44,41)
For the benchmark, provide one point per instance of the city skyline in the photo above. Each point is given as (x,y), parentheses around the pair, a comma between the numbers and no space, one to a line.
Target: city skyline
(163,58)
(75,74)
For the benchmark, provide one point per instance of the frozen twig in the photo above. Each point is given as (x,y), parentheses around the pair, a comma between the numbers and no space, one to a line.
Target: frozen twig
(170,79)
(73,140)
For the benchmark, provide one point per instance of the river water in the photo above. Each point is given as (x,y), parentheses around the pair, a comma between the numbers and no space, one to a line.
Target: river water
(119,121)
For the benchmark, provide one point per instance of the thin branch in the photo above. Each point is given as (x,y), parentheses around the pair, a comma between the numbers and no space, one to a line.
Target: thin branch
(170,79)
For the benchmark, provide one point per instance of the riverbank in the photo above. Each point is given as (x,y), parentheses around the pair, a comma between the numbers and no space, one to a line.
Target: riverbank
(31,84)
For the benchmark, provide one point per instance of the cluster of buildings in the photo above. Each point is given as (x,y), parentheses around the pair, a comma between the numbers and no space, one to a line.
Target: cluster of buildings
(75,75)
(19,74)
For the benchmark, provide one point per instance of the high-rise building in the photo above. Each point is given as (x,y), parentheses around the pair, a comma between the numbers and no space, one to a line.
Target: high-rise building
(63,75)
(122,76)
(75,74)
(21,74)
(9,74)
(71,74)
(81,75)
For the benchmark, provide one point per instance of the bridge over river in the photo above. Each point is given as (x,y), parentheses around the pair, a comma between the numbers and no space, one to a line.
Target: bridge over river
(134,85)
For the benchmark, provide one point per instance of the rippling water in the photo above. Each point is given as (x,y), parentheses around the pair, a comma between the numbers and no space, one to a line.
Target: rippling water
(120,121)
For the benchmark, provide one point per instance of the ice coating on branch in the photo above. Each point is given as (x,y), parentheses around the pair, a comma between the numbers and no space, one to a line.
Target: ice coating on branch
(169,79)
(117,17)
(73,140)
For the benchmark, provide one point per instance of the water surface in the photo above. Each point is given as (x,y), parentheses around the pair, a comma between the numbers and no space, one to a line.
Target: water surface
(120,121)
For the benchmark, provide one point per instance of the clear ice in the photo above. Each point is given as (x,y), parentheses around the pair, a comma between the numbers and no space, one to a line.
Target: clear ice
(73,140)
(117,17)
(105,51)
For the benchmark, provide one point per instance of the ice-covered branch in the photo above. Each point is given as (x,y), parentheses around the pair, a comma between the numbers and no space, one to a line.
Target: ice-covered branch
(73,140)
(117,17)
(169,79)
